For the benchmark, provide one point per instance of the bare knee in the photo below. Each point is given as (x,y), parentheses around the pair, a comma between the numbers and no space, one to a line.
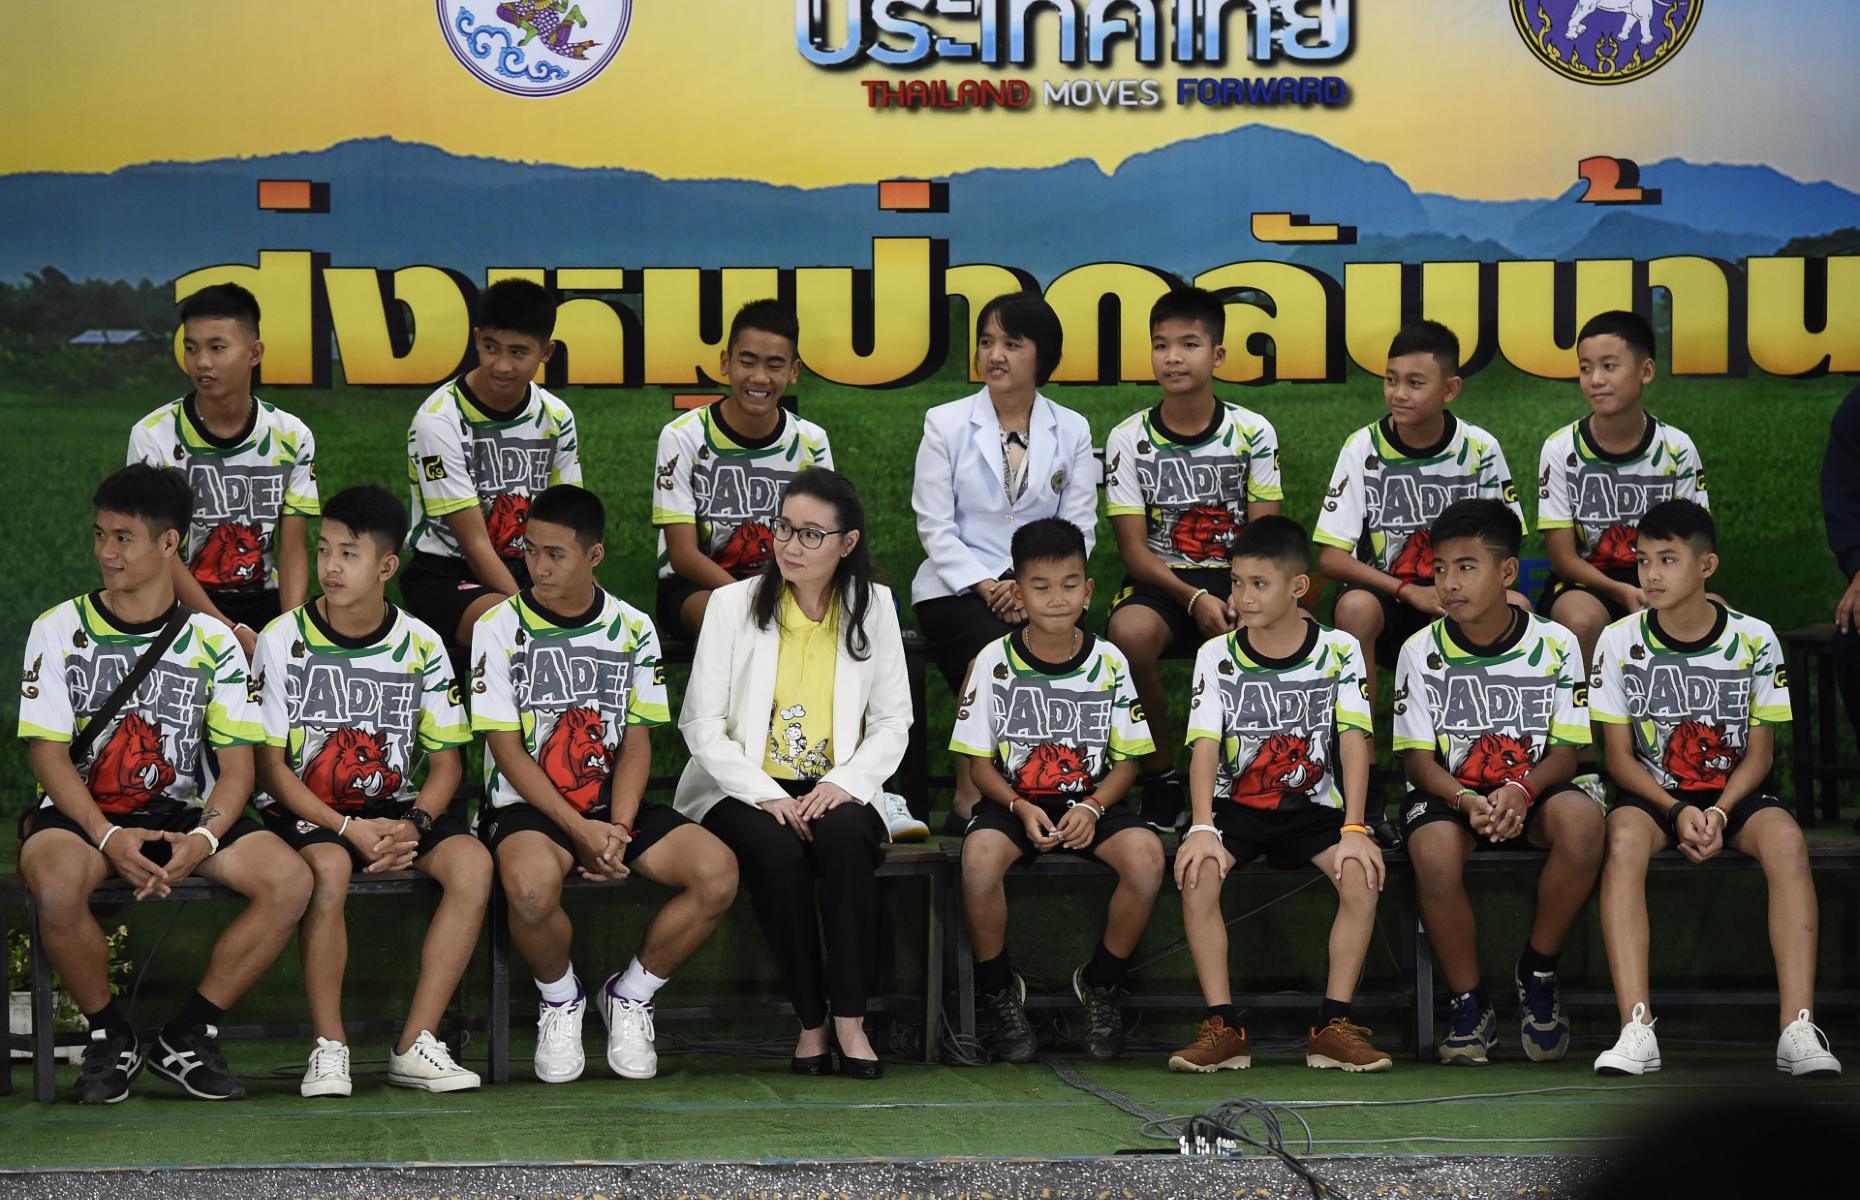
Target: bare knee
(985,860)
(534,895)
(467,871)
(714,881)
(1359,613)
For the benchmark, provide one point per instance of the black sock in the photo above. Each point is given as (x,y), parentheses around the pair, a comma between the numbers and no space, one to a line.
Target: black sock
(1478,996)
(1531,962)
(1332,1010)
(1106,970)
(993,975)
(111,1019)
(197,1011)
(1229,1015)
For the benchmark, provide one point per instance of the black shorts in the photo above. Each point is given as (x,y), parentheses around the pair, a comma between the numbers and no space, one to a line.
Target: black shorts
(438,590)
(1399,621)
(1419,809)
(652,822)
(1554,587)
(300,835)
(254,608)
(956,628)
(989,815)
(1184,634)
(1746,808)
(172,818)
(668,614)
(1288,837)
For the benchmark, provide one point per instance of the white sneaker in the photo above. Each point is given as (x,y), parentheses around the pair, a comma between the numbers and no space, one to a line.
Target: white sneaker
(1803,1050)
(629,1033)
(559,1058)
(428,1065)
(328,1072)
(901,825)
(1636,1052)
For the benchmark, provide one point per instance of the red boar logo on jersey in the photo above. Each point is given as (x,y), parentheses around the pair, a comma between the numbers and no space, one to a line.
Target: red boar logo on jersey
(350,768)
(576,758)
(1203,532)
(505,523)
(1283,766)
(747,550)
(1053,770)
(1616,549)
(1416,560)
(130,771)
(232,556)
(1697,756)
(1494,758)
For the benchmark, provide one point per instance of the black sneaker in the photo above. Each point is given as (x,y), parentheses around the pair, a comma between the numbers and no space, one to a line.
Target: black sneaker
(111,1063)
(1104,1017)
(193,1060)
(955,824)
(1013,1037)
(1164,803)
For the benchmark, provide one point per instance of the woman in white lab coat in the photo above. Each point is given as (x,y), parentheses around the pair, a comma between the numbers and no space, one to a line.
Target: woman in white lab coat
(987,465)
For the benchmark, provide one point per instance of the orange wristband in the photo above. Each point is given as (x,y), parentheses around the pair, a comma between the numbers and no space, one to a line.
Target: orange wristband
(1362,829)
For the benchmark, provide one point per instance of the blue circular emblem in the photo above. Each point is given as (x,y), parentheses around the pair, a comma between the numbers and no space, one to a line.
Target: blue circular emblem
(1605,41)
(535,47)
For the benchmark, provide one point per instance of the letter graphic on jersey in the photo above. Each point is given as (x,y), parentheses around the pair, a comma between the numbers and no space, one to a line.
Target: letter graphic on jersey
(506,522)
(1203,532)
(233,555)
(131,769)
(576,757)
(1416,560)
(1282,764)
(1699,756)
(748,549)
(1494,758)
(1052,769)
(350,768)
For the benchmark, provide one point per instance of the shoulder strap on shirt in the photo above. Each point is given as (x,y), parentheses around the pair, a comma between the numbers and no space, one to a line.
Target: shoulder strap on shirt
(114,702)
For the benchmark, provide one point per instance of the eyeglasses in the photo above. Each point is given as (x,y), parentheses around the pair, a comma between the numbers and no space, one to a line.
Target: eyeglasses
(810,537)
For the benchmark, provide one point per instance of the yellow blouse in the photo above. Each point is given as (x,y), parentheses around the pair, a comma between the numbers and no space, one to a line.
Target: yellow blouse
(801,723)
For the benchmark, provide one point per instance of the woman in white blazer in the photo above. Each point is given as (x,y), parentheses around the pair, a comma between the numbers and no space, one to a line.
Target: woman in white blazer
(986,466)
(797,711)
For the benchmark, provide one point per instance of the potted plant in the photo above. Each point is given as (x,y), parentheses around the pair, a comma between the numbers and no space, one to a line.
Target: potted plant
(65,1015)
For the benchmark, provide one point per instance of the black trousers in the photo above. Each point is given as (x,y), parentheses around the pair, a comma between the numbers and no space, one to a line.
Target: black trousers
(797,887)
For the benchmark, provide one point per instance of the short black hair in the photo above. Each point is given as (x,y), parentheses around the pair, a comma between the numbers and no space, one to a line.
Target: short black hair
(158,496)
(1027,315)
(222,301)
(1277,539)
(1429,337)
(1685,521)
(769,316)
(517,306)
(1049,539)
(374,511)
(1491,521)
(1630,327)
(573,506)
(1195,304)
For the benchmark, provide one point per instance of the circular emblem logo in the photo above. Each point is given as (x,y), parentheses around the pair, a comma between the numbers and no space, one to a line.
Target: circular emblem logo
(535,47)
(1605,41)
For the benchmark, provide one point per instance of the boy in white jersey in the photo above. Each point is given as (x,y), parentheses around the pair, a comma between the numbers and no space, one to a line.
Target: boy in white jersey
(1180,480)
(1490,706)
(1598,476)
(353,693)
(1392,480)
(478,451)
(1052,725)
(565,685)
(1280,727)
(121,763)
(250,467)
(1689,695)
(722,468)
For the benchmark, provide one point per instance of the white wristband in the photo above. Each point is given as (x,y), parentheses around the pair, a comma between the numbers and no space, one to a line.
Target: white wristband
(1089,806)
(344,827)
(212,842)
(107,835)
(1201,829)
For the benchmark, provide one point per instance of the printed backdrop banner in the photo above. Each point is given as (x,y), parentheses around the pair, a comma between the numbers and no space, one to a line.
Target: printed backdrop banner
(1506,166)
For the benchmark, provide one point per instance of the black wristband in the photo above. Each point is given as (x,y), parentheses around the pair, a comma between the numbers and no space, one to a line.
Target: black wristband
(1672,816)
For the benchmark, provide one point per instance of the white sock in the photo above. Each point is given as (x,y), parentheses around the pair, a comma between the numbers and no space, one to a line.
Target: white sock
(638,984)
(562,990)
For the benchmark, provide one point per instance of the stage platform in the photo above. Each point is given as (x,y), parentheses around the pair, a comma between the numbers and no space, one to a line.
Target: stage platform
(729,1125)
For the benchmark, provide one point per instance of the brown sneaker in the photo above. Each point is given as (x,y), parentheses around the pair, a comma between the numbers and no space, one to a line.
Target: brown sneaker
(1218,1047)
(1342,1046)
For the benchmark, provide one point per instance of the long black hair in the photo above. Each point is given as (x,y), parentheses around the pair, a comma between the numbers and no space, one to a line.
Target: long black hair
(852,575)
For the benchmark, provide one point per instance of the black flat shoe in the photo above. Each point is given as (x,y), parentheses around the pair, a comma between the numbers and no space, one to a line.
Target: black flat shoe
(861,1068)
(813,1064)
